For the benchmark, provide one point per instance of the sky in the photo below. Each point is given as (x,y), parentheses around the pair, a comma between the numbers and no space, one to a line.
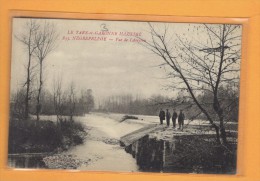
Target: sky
(109,67)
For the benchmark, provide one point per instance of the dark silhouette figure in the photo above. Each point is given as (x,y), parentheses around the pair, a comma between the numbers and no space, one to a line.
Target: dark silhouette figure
(181,120)
(161,116)
(168,117)
(174,117)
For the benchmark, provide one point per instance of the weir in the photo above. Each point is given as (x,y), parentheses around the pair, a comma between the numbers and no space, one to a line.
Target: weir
(158,148)
(136,135)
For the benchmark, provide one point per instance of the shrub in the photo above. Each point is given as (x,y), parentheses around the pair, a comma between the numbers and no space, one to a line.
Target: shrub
(43,136)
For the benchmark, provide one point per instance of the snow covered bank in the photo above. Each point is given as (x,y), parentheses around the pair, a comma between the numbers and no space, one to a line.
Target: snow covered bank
(165,149)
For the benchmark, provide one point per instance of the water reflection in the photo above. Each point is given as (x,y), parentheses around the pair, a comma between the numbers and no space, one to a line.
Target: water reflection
(26,161)
(182,154)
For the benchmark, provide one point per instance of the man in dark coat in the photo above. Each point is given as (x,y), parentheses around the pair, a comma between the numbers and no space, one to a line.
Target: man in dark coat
(181,118)
(161,116)
(168,117)
(174,117)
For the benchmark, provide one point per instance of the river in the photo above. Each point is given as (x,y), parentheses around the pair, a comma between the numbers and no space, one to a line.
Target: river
(102,145)
(100,148)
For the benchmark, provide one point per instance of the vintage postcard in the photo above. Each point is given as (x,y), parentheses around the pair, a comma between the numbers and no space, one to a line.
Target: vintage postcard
(124,96)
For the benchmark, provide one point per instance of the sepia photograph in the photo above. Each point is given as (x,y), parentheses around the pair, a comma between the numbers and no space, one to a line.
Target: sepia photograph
(124,96)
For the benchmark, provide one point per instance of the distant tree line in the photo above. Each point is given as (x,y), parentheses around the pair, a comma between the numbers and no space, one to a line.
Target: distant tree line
(130,104)
(60,103)
(228,95)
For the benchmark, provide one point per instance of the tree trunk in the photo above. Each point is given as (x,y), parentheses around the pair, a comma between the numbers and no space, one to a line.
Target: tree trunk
(219,112)
(217,134)
(38,107)
(28,83)
(26,111)
(223,132)
(202,109)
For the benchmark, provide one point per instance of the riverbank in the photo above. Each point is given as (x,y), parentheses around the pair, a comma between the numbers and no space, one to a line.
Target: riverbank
(100,148)
(193,150)
(140,145)
(30,136)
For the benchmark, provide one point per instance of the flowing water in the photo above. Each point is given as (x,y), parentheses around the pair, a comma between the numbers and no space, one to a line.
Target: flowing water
(100,149)
(102,145)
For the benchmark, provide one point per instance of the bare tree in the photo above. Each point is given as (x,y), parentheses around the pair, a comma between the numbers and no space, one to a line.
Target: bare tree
(46,41)
(57,97)
(72,100)
(26,38)
(201,63)
(17,104)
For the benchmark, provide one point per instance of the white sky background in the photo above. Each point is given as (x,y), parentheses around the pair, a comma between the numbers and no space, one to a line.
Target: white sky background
(108,68)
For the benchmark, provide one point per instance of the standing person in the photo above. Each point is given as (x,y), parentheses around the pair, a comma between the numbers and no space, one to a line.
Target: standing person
(181,120)
(168,117)
(174,117)
(161,116)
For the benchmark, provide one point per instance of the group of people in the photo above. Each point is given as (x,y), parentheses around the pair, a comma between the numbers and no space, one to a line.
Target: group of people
(167,115)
